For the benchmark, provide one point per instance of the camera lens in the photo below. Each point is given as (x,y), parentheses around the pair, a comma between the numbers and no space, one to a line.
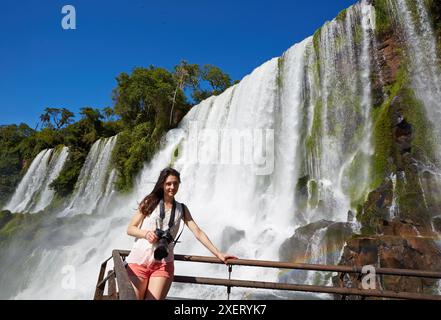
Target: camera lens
(162,250)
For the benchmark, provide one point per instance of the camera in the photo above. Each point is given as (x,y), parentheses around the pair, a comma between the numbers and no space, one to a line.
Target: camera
(165,238)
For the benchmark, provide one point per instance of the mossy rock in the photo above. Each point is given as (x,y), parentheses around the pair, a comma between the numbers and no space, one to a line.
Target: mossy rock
(296,247)
(377,208)
(301,193)
(5,217)
(383,18)
(412,207)
(437,224)
(313,194)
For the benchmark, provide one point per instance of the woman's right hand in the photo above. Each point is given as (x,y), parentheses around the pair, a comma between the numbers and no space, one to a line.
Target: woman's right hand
(151,237)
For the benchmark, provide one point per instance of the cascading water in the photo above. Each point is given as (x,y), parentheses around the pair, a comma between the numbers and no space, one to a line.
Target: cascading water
(412,19)
(338,142)
(423,56)
(339,159)
(94,184)
(33,193)
(65,268)
(240,154)
(265,105)
(54,168)
(30,183)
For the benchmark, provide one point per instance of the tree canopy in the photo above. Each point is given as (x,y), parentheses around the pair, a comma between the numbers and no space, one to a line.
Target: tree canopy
(147,103)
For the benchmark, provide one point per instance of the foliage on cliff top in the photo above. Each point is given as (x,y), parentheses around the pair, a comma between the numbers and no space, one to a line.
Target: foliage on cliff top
(148,102)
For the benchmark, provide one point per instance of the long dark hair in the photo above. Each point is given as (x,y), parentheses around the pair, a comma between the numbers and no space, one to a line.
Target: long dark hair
(149,203)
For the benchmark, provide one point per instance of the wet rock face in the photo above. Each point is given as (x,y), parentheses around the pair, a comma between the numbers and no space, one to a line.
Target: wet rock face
(295,248)
(403,136)
(390,59)
(437,224)
(230,236)
(298,248)
(5,217)
(377,208)
(400,246)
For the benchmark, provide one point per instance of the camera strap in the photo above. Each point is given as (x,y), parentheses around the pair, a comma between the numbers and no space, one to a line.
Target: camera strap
(171,222)
(172,216)
(184,208)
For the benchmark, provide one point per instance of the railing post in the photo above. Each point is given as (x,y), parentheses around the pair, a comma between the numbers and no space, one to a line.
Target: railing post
(343,292)
(99,290)
(112,293)
(125,288)
(230,269)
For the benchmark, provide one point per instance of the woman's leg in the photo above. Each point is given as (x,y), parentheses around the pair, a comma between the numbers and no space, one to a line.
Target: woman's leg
(139,285)
(158,288)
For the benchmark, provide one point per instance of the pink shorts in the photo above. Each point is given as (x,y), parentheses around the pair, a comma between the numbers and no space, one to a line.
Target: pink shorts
(157,269)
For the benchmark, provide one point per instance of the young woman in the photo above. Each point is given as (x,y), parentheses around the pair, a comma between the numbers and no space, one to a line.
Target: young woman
(152,278)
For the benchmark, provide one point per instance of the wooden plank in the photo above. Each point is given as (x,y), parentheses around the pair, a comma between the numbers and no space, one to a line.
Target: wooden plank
(305,288)
(327,268)
(125,288)
(99,290)
(112,286)
(312,267)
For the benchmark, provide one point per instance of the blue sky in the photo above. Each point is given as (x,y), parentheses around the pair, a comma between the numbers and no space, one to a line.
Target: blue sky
(42,65)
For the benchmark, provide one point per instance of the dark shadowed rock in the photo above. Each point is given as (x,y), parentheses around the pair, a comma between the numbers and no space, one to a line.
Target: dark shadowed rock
(297,248)
(437,224)
(377,208)
(5,217)
(400,246)
(230,236)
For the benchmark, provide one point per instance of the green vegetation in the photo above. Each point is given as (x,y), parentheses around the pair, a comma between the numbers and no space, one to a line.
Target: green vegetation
(312,142)
(80,137)
(383,134)
(383,21)
(316,42)
(280,64)
(383,142)
(152,101)
(147,103)
(14,157)
(435,12)
(341,17)
(132,149)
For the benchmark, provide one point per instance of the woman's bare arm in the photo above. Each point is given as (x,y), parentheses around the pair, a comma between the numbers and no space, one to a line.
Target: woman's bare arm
(134,228)
(203,238)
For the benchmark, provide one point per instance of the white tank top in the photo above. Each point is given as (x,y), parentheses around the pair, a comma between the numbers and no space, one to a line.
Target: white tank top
(142,250)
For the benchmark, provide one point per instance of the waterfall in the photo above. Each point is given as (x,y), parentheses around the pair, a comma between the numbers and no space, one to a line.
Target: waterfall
(394,208)
(423,56)
(241,155)
(339,158)
(33,193)
(412,19)
(95,181)
(55,166)
(30,183)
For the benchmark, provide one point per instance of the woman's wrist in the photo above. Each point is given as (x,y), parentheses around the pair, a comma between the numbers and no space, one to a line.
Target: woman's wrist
(145,236)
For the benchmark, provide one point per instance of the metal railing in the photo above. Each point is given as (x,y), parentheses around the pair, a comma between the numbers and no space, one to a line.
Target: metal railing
(126,292)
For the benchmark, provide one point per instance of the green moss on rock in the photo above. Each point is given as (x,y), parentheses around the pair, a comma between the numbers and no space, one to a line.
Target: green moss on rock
(383,20)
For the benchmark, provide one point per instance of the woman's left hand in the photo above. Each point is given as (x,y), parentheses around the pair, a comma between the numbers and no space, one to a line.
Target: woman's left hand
(225,256)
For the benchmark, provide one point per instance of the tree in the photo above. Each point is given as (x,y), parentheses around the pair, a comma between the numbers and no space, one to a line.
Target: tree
(93,116)
(58,117)
(108,113)
(187,75)
(13,157)
(147,95)
(218,80)
(215,78)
